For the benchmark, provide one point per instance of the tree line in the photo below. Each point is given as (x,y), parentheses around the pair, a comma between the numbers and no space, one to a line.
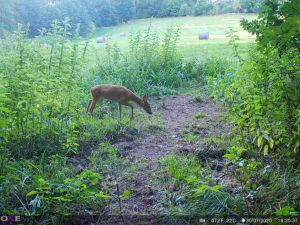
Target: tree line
(89,13)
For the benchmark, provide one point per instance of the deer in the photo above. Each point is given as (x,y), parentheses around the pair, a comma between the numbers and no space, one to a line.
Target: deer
(119,94)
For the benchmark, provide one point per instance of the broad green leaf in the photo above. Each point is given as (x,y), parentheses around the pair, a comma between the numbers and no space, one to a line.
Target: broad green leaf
(200,189)
(31,193)
(126,194)
(259,141)
(266,148)
(216,188)
(229,156)
(287,211)
(101,195)
(62,199)
(191,179)
(271,143)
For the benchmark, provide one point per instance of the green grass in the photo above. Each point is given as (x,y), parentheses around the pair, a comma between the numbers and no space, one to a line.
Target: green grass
(199,115)
(189,45)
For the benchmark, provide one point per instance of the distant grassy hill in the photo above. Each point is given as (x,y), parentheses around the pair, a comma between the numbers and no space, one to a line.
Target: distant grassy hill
(189,45)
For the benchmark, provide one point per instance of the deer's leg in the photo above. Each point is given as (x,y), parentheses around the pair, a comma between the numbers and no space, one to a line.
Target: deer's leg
(120,110)
(93,104)
(126,103)
(88,106)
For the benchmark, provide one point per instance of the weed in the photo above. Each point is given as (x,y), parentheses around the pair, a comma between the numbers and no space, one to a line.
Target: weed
(199,115)
(197,194)
(198,98)
(190,138)
(104,158)
(184,170)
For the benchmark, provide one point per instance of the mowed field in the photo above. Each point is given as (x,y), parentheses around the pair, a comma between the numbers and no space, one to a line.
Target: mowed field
(189,45)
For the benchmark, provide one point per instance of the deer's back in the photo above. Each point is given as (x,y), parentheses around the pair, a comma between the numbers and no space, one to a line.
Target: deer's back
(111,92)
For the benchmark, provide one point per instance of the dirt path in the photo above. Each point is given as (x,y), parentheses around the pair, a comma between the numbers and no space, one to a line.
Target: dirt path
(178,115)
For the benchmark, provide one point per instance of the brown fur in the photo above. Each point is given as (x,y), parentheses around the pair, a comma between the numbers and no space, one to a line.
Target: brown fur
(116,93)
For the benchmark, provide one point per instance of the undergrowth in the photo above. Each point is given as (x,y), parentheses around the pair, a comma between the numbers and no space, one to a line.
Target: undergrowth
(261,94)
(44,130)
(193,191)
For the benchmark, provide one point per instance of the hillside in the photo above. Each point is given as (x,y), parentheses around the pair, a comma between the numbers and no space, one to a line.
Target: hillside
(189,26)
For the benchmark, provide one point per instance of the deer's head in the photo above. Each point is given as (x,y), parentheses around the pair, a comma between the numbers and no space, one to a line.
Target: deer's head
(146,105)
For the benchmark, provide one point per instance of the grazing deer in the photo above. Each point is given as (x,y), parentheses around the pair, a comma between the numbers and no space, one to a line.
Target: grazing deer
(117,93)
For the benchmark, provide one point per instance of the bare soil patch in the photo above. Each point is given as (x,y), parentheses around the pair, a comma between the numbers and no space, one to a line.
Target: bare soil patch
(146,151)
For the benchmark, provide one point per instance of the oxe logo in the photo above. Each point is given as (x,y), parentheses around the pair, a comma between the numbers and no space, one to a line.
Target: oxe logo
(9,219)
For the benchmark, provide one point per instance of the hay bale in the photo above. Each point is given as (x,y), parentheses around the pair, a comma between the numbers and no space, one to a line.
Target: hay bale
(122,34)
(100,40)
(44,45)
(203,36)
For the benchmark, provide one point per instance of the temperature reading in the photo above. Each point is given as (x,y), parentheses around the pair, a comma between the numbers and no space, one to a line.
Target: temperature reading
(217,220)
(231,220)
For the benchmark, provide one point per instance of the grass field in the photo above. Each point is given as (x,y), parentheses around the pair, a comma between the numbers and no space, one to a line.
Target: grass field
(189,45)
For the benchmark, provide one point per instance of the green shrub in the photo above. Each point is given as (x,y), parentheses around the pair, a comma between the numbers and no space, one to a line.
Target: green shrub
(43,122)
(34,189)
(262,96)
(152,66)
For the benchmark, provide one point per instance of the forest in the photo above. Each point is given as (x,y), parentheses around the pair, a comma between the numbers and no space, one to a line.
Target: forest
(89,13)
(222,142)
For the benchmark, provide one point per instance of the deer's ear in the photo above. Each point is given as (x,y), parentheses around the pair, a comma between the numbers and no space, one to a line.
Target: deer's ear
(145,98)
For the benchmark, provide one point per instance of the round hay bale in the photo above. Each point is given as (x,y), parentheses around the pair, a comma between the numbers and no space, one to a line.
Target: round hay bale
(100,40)
(203,36)
(122,34)
(44,45)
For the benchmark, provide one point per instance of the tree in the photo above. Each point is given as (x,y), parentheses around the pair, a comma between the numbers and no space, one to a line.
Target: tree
(77,13)
(125,9)
(108,14)
(277,29)
(251,6)
(170,8)
(202,7)
(148,8)
(8,15)
(277,25)
(30,13)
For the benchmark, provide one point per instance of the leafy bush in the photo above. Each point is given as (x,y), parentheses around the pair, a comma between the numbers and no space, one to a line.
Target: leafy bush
(37,90)
(276,26)
(263,99)
(150,66)
(35,189)
(43,122)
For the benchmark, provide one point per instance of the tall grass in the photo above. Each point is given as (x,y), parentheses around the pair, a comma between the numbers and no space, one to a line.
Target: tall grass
(150,64)
(44,89)
(42,122)
(41,95)
(197,193)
